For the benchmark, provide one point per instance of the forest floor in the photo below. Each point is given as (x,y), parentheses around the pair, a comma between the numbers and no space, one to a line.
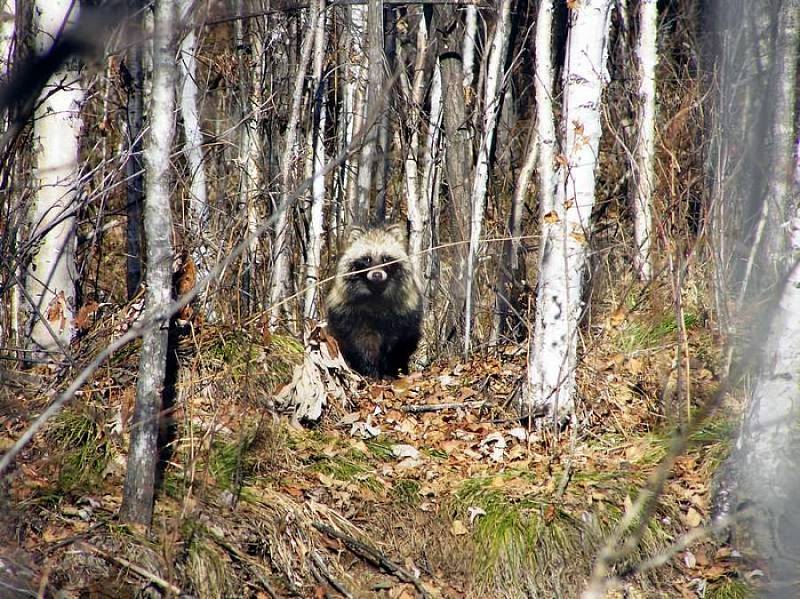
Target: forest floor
(427,485)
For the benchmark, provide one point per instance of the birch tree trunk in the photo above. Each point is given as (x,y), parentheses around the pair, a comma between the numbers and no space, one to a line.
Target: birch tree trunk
(431,179)
(647,53)
(370,162)
(138,493)
(280,284)
(7,38)
(318,159)
(51,276)
(193,146)
(470,35)
(492,98)
(134,167)
(767,449)
(550,387)
(765,460)
(418,202)
(354,97)
(545,120)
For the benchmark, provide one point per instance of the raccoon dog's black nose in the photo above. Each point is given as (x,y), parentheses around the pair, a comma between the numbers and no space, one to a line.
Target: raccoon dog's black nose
(377,276)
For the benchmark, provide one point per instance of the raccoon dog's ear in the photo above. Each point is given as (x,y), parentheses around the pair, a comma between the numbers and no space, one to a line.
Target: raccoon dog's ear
(398,231)
(353,233)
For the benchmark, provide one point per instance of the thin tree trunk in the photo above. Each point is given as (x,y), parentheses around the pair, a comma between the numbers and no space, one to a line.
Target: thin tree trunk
(646,144)
(193,148)
(316,224)
(7,46)
(353,104)
(418,203)
(492,97)
(431,178)
(139,490)
(510,274)
(370,167)
(550,387)
(545,121)
(280,285)
(51,277)
(468,52)
(458,161)
(134,168)
(250,57)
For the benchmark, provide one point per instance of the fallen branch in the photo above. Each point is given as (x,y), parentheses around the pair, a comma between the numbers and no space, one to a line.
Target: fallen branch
(438,407)
(253,565)
(325,573)
(373,555)
(155,579)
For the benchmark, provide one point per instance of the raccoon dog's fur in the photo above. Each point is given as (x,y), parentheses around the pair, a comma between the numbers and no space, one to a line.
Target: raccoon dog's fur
(376,314)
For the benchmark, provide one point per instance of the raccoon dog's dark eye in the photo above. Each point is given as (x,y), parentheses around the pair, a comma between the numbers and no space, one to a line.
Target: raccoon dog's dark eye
(385,259)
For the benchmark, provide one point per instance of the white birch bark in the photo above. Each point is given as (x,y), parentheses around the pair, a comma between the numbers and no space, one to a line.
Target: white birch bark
(354,100)
(137,502)
(545,120)
(431,172)
(418,203)
(7,32)
(51,276)
(767,447)
(550,387)
(280,284)
(468,52)
(647,54)
(193,144)
(316,224)
(493,93)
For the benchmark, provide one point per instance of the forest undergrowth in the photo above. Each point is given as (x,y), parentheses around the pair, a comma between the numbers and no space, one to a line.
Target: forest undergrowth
(428,485)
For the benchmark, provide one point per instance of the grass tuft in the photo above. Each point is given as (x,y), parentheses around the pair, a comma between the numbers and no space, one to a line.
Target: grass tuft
(86,450)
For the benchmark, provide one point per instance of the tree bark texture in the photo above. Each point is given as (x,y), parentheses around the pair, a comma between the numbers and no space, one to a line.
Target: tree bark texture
(647,53)
(138,494)
(458,163)
(495,79)
(51,276)
(566,229)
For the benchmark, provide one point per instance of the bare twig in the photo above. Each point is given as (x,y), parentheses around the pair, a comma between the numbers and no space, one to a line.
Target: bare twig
(138,570)
(438,407)
(325,573)
(373,555)
(683,542)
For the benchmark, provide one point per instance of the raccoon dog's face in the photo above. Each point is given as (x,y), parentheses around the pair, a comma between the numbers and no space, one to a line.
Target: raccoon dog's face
(375,264)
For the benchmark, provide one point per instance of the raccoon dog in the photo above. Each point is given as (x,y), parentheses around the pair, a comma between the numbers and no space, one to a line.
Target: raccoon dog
(376,314)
